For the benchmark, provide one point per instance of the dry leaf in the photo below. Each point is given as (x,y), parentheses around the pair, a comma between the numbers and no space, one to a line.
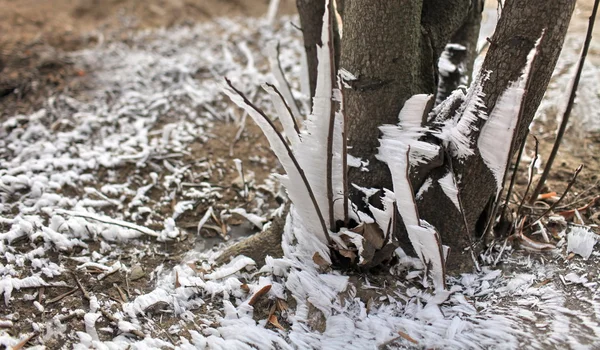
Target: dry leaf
(197,269)
(320,261)
(282,305)
(264,290)
(348,254)
(407,337)
(372,234)
(273,320)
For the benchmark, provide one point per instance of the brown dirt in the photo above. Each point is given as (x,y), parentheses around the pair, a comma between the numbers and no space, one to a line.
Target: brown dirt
(34,35)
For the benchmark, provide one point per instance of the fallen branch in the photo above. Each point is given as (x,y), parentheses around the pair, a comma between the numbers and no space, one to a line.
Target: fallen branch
(110,221)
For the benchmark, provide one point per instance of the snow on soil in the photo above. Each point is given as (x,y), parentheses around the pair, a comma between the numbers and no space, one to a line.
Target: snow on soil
(61,190)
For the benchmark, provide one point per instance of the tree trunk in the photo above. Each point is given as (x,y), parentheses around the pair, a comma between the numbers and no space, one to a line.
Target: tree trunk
(311,21)
(393,48)
(461,53)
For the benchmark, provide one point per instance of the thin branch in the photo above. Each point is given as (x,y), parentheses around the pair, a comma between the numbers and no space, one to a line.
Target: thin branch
(513,178)
(577,171)
(110,221)
(287,106)
(530,179)
(285,85)
(290,154)
(330,133)
(567,113)
(344,150)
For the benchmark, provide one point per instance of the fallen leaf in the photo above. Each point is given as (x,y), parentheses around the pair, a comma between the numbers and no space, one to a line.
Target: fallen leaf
(264,290)
(137,272)
(546,195)
(245,288)
(372,234)
(273,320)
(320,261)
(282,305)
(348,254)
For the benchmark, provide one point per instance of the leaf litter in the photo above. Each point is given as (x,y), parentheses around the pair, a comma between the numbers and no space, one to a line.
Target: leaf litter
(150,105)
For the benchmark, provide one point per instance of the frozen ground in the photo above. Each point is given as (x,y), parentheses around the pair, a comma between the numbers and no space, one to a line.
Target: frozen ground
(102,190)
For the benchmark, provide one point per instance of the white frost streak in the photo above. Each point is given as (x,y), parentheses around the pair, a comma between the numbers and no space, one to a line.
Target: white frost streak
(450,190)
(581,240)
(498,132)
(384,217)
(312,153)
(293,181)
(284,115)
(423,237)
(409,129)
(457,132)
(496,135)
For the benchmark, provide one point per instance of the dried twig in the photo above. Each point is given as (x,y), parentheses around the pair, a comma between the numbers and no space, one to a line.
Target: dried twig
(331,115)
(61,297)
(567,113)
(577,171)
(84,292)
(530,179)
(513,178)
(110,221)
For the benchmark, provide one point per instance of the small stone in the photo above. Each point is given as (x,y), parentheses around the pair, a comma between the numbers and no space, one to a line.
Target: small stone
(136,273)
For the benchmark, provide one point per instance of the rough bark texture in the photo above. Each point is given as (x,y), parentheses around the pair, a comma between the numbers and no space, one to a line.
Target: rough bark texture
(465,36)
(311,21)
(393,47)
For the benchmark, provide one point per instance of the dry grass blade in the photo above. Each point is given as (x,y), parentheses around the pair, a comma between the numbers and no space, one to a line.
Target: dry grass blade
(513,178)
(569,214)
(567,113)
(264,290)
(530,179)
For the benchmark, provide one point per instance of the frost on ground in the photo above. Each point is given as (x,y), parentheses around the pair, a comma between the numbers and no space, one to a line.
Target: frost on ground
(103,190)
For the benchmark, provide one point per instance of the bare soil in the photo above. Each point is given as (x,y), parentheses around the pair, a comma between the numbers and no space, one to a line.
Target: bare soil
(34,35)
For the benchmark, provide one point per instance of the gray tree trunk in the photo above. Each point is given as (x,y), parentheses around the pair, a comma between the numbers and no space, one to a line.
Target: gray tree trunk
(393,47)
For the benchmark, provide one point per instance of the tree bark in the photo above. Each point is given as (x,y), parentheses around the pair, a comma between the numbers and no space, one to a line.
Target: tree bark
(463,56)
(311,21)
(393,47)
